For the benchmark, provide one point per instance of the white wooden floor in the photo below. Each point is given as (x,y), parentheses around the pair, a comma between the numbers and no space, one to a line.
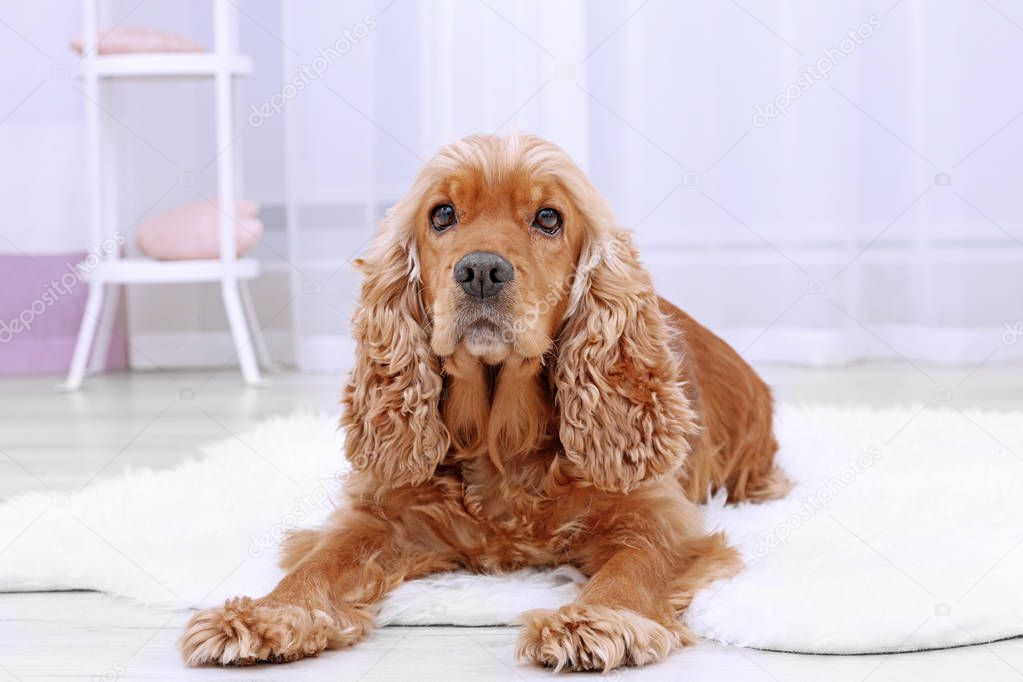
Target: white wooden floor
(54,441)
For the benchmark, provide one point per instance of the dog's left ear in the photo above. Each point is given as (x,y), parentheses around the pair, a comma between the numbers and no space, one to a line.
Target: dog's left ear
(624,415)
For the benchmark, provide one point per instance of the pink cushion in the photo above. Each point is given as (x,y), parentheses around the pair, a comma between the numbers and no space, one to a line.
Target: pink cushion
(192,231)
(129,40)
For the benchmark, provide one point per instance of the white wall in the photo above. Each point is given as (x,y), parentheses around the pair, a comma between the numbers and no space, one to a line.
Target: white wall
(41,131)
(901,164)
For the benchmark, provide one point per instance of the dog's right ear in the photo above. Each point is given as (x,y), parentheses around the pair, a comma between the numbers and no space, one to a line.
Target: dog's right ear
(392,400)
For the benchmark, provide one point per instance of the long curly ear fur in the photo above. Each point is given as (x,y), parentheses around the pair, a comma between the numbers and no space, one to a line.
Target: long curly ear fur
(624,416)
(392,400)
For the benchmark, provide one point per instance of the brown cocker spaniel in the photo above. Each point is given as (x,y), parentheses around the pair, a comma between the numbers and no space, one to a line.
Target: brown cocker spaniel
(520,397)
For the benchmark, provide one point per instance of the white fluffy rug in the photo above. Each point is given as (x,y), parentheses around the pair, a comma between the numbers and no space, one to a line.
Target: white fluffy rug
(905,532)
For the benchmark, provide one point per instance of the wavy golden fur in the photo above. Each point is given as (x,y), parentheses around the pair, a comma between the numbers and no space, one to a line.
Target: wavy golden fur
(558,413)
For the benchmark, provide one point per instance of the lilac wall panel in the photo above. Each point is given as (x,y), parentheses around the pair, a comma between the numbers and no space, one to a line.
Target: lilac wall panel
(42,301)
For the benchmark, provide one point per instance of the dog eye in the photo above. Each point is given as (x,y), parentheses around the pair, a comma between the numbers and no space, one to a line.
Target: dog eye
(547,220)
(442,217)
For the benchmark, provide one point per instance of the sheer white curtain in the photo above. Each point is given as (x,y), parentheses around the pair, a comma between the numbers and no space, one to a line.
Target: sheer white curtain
(818,183)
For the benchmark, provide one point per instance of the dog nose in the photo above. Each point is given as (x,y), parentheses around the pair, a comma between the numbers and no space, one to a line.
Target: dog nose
(482,274)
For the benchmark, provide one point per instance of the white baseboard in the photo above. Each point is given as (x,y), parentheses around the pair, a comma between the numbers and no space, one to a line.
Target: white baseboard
(204,350)
(330,353)
(922,344)
(199,350)
(333,353)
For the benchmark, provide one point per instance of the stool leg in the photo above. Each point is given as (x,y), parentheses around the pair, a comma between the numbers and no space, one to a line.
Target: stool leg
(105,331)
(86,334)
(239,331)
(258,338)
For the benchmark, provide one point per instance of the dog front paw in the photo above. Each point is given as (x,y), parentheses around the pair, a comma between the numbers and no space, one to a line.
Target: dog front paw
(245,631)
(592,637)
